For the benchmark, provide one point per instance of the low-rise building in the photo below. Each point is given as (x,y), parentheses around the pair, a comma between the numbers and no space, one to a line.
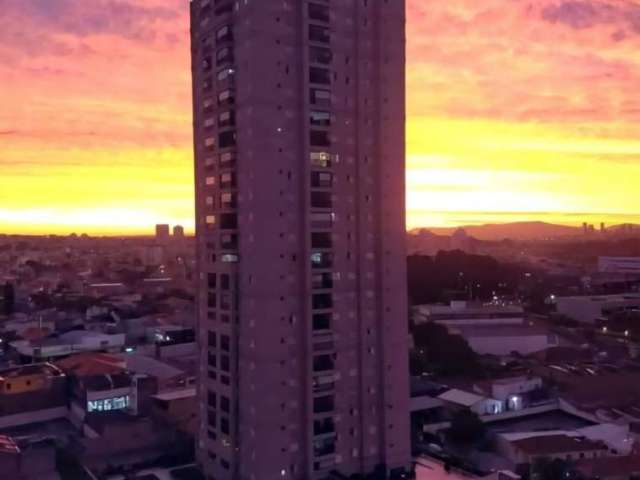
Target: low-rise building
(459,400)
(619,265)
(462,313)
(101,383)
(591,308)
(515,393)
(31,394)
(65,344)
(504,340)
(27,459)
(525,449)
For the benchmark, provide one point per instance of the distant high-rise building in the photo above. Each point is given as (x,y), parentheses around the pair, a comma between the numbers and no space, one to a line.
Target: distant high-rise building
(162,233)
(178,232)
(299,114)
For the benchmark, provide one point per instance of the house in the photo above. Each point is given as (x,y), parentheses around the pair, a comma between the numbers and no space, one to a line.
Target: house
(27,459)
(177,408)
(460,400)
(515,393)
(31,394)
(68,343)
(524,449)
(101,383)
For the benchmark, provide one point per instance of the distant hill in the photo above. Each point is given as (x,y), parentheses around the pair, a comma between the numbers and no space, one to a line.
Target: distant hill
(514,230)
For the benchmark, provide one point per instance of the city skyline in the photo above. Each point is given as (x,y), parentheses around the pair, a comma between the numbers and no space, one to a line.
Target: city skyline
(541,105)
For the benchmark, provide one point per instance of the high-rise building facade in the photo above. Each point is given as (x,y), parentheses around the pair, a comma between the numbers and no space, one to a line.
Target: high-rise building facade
(162,233)
(299,114)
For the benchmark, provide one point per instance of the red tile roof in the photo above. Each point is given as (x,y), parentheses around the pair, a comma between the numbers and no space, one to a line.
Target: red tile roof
(92,364)
(8,445)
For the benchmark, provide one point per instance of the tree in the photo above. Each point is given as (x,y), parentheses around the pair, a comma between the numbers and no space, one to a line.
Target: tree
(9,295)
(437,350)
(466,428)
(546,469)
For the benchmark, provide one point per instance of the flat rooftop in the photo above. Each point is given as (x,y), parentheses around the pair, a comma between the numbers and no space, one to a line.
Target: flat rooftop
(550,421)
(26,370)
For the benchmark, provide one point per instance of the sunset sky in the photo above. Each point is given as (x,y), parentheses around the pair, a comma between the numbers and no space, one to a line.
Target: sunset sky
(517,110)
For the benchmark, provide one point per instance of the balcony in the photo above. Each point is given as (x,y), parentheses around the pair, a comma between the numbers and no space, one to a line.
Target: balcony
(321,240)
(322,301)
(324,404)
(322,321)
(324,447)
(322,281)
(319,34)
(321,260)
(324,427)
(323,363)
(319,13)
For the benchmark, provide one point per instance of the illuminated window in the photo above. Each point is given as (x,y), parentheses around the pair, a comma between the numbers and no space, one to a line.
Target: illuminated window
(108,404)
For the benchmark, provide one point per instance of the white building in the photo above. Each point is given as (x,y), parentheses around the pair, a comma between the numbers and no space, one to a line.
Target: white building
(479,404)
(503,340)
(75,341)
(619,265)
(510,391)
(462,313)
(590,308)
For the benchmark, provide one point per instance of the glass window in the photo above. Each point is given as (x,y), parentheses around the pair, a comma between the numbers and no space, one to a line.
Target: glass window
(319,12)
(229,241)
(228,200)
(228,221)
(320,159)
(320,55)
(319,138)
(320,97)
(224,34)
(228,180)
(321,200)
(319,75)
(321,179)
(226,98)
(321,240)
(227,139)
(224,55)
(320,119)
(319,34)
(227,118)
(227,158)
(322,220)
(226,74)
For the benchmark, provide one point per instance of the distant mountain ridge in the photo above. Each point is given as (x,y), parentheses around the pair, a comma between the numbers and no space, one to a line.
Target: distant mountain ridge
(514,230)
(520,230)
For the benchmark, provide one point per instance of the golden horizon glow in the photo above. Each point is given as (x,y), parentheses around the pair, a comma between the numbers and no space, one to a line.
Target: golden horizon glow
(516,111)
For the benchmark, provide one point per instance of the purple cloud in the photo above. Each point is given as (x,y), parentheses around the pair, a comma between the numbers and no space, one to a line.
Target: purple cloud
(581,14)
(60,27)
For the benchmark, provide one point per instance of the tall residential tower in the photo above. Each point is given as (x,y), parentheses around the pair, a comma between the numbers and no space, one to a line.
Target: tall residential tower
(299,110)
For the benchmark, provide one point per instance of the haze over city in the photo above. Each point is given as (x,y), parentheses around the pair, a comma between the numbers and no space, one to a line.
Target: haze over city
(515,110)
